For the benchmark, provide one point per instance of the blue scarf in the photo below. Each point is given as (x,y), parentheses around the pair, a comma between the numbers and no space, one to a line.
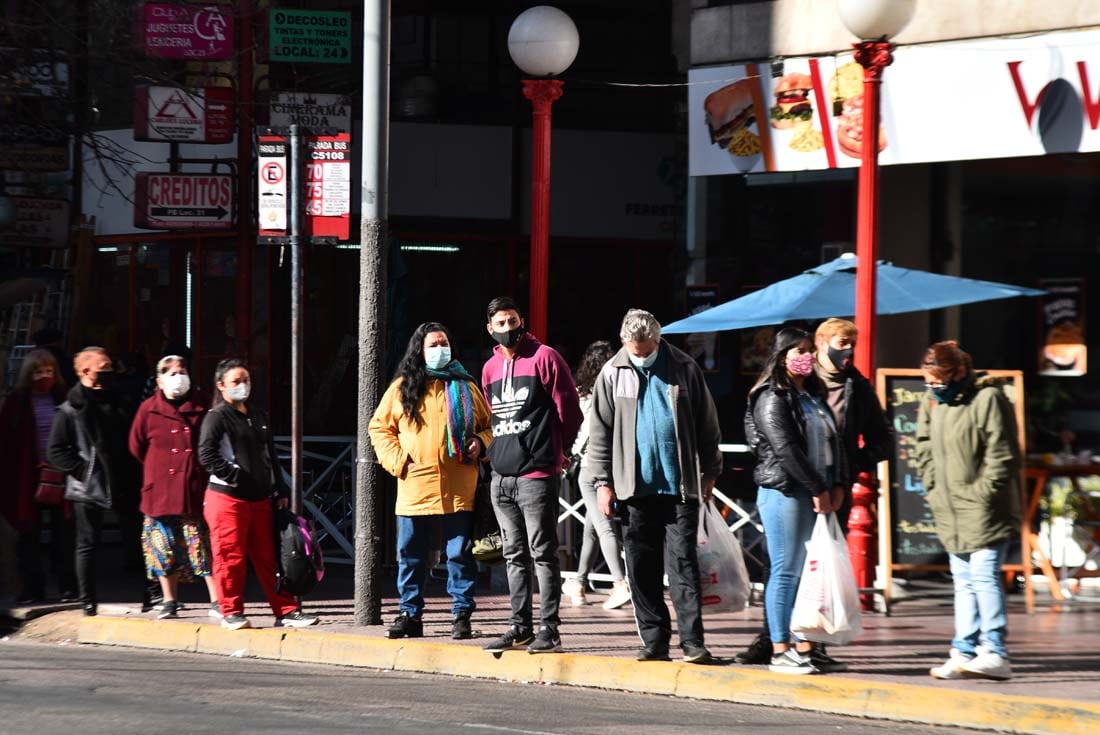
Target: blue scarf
(460,408)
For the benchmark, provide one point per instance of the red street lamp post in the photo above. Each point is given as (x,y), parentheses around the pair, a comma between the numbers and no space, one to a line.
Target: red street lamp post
(874,21)
(543,42)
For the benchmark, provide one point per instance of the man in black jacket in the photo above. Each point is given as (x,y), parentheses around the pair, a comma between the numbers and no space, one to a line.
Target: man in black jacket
(858,414)
(88,443)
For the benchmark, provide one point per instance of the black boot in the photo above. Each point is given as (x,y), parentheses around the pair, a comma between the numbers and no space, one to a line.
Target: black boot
(406,626)
(460,628)
(90,609)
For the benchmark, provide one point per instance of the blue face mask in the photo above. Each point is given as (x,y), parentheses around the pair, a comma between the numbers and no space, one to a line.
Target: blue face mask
(644,362)
(948,392)
(437,358)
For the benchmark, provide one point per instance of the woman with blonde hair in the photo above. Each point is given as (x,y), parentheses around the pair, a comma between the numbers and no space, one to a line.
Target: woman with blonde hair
(25,421)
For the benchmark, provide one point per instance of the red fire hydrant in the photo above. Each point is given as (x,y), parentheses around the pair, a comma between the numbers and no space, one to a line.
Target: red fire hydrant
(862,546)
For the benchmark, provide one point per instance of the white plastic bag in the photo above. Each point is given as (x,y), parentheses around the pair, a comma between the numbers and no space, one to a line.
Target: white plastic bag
(723,578)
(827,607)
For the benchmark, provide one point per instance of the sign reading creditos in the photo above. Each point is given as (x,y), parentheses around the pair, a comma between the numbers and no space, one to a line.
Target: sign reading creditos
(310,36)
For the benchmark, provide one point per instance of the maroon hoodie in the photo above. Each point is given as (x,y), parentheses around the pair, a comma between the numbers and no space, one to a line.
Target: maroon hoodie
(536,411)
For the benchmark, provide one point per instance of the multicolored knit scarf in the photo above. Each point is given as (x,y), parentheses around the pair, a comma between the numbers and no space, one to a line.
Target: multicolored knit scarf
(460,408)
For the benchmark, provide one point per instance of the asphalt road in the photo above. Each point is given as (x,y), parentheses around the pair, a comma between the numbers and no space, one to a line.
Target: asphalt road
(88,690)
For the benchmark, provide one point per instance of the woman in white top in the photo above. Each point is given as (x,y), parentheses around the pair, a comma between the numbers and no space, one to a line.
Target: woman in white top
(597,526)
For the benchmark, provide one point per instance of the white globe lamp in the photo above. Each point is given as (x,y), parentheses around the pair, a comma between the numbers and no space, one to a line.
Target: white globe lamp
(543,41)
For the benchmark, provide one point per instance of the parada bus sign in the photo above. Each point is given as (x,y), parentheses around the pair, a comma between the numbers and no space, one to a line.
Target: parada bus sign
(170,201)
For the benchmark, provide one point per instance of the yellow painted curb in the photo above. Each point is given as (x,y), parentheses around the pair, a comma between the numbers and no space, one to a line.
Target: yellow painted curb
(846,695)
(653,677)
(139,633)
(245,642)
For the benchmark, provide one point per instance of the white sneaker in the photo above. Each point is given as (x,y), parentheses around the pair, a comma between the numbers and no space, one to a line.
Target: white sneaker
(573,589)
(952,668)
(620,595)
(988,665)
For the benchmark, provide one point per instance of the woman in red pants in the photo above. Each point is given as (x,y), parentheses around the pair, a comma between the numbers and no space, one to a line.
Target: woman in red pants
(237,450)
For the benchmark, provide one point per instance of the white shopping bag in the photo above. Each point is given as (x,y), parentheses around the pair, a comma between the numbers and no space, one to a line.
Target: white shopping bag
(827,607)
(723,578)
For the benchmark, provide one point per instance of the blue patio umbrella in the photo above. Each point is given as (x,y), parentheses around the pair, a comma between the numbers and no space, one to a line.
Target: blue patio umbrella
(830,290)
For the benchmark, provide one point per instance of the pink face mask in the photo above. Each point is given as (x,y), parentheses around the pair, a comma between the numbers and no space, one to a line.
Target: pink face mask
(802,365)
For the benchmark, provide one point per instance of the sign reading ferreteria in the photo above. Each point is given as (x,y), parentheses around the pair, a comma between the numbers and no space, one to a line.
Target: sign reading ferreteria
(172,201)
(310,36)
(314,111)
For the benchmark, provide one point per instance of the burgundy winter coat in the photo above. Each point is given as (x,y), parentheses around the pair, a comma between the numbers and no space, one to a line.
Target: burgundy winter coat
(19,458)
(165,440)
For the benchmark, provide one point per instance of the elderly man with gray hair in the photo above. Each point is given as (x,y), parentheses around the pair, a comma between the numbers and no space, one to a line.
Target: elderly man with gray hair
(653,451)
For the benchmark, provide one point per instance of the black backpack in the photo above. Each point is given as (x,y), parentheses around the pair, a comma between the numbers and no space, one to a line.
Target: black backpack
(301,565)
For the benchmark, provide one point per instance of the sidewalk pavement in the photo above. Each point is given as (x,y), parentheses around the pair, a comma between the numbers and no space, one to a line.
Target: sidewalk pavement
(1055,655)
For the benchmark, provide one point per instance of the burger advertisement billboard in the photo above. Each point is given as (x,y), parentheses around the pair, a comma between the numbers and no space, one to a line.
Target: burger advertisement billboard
(799,114)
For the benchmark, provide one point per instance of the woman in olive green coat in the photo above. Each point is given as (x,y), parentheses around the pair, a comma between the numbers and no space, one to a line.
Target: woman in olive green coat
(969,456)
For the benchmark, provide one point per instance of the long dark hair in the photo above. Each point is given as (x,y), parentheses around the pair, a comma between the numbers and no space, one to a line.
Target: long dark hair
(411,371)
(592,361)
(221,369)
(775,369)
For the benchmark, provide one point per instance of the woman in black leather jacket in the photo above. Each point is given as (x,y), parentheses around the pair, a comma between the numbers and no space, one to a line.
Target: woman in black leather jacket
(799,470)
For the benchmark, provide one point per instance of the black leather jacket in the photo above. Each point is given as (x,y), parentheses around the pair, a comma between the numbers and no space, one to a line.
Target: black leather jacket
(863,416)
(775,430)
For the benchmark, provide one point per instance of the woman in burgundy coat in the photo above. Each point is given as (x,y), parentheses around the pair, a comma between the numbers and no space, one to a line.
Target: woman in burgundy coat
(24,430)
(165,438)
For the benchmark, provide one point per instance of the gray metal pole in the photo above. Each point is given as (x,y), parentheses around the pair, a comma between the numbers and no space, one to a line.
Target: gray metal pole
(294,241)
(372,306)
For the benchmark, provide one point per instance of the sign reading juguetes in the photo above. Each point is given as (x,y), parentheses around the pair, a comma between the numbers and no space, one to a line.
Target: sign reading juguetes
(310,36)
(170,31)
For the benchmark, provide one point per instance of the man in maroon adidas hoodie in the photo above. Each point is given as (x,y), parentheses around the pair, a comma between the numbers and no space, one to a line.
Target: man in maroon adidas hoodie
(536,416)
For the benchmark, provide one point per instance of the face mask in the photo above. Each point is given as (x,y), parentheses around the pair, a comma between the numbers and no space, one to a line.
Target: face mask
(437,358)
(238,393)
(802,365)
(948,392)
(842,359)
(644,362)
(175,386)
(106,379)
(510,338)
(42,385)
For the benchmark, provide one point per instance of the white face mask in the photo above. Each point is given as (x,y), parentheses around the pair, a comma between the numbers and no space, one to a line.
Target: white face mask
(437,358)
(238,393)
(175,386)
(644,362)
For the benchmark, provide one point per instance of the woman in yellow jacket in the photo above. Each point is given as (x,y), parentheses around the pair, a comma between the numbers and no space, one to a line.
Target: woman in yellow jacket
(429,431)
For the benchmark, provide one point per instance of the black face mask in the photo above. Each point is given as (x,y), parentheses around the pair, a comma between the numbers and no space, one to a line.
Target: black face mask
(841,359)
(107,380)
(510,338)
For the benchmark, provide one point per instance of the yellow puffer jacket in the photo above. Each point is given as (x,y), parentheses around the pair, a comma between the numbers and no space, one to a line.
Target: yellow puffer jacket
(434,484)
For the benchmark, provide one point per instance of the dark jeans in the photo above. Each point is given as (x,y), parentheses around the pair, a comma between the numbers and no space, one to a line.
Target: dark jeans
(527,510)
(61,551)
(89,522)
(653,524)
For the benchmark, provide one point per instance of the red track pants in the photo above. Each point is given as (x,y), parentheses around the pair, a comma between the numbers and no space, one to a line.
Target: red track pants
(240,531)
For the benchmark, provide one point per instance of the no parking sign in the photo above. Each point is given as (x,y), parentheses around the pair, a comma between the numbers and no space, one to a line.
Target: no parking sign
(271,185)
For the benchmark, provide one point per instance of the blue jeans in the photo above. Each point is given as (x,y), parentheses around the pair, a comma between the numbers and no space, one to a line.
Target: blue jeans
(788,524)
(414,539)
(980,617)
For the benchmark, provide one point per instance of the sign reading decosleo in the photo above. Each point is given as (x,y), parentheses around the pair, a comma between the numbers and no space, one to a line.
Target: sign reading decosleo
(183,201)
(320,36)
(170,31)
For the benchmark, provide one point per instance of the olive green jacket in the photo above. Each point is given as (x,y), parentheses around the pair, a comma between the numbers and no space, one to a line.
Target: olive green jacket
(969,457)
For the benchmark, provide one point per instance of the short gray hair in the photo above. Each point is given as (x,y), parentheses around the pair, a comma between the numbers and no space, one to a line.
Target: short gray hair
(165,363)
(638,326)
